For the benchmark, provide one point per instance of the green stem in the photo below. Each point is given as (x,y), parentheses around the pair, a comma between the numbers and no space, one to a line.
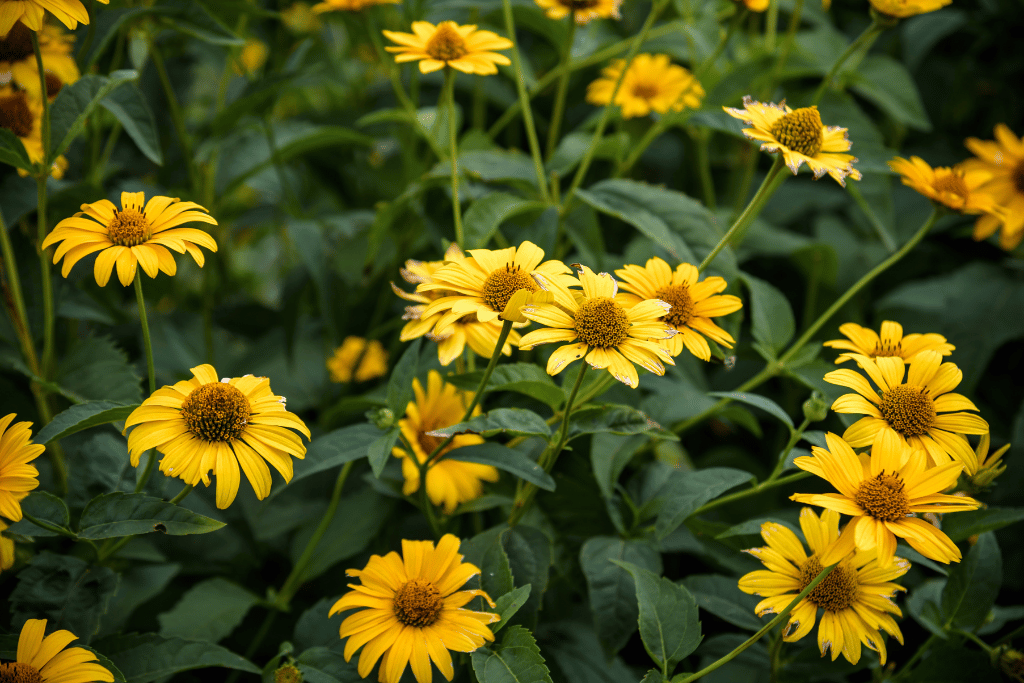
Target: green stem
(42,524)
(771,25)
(766,485)
(182,494)
(448,96)
(794,437)
(177,118)
(737,20)
(757,380)
(775,657)
(787,45)
(146,340)
(43,174)
(17,299)
(864,40)
(876,223)
(563,88)
(977,641)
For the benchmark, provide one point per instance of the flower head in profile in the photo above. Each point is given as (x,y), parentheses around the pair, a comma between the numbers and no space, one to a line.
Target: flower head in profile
(990,465)
(463,48)
(449,482)
(17,475)
(1003,159)
(140,233)
(411,611)
(887,342)
(918,409)
(583,11)
(349,5)
(883,492)
(32,12)
(800,136)
(956,188)
(205,425)
(17,58)
(855,599)
(693,303)
(901,9)
(49,659)
(651,83)
(371,356)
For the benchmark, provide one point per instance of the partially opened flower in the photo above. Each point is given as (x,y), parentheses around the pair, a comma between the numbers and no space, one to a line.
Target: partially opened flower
(17,57)
(651,83)
(205,425)
(31,13)
(583,11)
(800,136)
(888,342)
(990,465)
(1003,159)
(901,9)
(371,356)
(463,48)
(956,188)
(17,475)
(349,5)
(49,659)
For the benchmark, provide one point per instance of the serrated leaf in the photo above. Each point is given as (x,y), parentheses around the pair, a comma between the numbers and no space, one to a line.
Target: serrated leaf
(144,658)
(973,584)
(45,507)
(128,105)
(615,419)
(522,378)
(529,556)
(69,592)
(486,214)
(506,459)
(400,384)
(118,514)
(209,611)
(508,604)
(95,369)
(963,525)
(611,589)
(762,402)
(516,660)
(510,421)
(76,102)
(83,416)
(687,491)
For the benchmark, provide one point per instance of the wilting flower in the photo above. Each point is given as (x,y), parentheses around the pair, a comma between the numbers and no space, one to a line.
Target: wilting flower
(855,598)
(582,10)
(372,359)
(888,342)
(651,83)
(883,492)
(131,237)
(17,475)
(901,9)
(463,48)
(955,188)
(17,58)
(349,5)
(1003,159)
(205,424)
(412,611)
(800,137)
(45,660)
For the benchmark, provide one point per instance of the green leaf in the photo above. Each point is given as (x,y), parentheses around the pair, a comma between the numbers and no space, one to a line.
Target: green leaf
(516,660)
(140,583)
(12,151)
(668,617)
(495,569)
(325,665)
(380,450)
(609,455)
(45,507)
(923,605)
(529,556)
(208,611)
(687,491)
(128,104)
(118,514)
(973,584)
(491,166)
(333,449)
(573,146)
(615,419)
(509,421)
(772,321)
(486,214)
(76,102)
(400,384)
(504,458)
(508,604)
(81,417)
(68,591)
(522,378)
(144,658)
(616,200)
(765,404)
(963,525)
(885,81)
(95,369)
(721,596)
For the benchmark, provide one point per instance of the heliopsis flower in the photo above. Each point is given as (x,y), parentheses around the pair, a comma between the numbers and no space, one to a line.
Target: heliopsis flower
(299,17)
(693,303)
(651,83)
(582,10)
(990,465)
(6,549)
(132,236)
(349,5)
(901,9)
(17,475)
(956,187)
(754,5)
(252,56)
(31,13)
(205,424)
(412,611)
(855,598)
(463,48)
(883,492)
(800,136)
(17,58)
(45,660)
(481,337)
(372,359)
(1003,158)
(889,342)
(449,482)
(22,115)
(920,410)
(610,335)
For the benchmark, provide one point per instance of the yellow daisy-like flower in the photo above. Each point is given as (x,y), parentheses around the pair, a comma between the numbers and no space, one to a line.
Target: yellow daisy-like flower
(299,17)
(610,335)
(583,11)
(31,13)
(449,482)
(17,475)
(1003,159)
(855,598)
(374,361)
(754,5)
(693,303)
(139,234)
(6,549)
(800,136)
(889,342)
(349,5)
(45,660)
(901,9)
(481,337)
(252,56)
(920,411)
(22,115)
(205,424)
(463,48)
(651,83)
(883,492)
(18,59)
(412,611)
(956,187)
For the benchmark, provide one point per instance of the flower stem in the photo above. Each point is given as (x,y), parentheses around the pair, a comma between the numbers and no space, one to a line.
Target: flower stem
(182,494)
(16,300)
(770,483)
(563,88)
(864,40)
(787,45)
(448,95)
(146,340)
(177,118)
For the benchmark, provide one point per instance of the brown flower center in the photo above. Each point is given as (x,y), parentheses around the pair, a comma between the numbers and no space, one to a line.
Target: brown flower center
(836,592)
(952,182)
(16,45)
(578,4)
(502,284)
(418,603)
(884,497)
(428,443)
(601,323)
(216,412)
(128,228)
(887,350)
(645,91)
(908,409)
(800,130)
(15,115)
(1017,175)
(53,85)
(682,304)
(446,44)
(19,672)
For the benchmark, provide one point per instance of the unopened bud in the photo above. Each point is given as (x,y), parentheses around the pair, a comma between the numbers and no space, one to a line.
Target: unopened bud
(1011,663)
(815,408)
(382,418)
(288,674)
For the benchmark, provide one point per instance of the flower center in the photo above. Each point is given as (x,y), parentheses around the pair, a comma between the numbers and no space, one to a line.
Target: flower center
(428,443)
(884,497)
(908,409)
(19,672)
(129,228)
(16,45)
(502,284)
(446,44)
(682,305)
(418,603)
(836,592)
(53,85)
(800,130)
(15,115)
(952,182)
(288,674)
(571,4)
(645,91)
(602,323)
(216,412)
(1017,175)
(887,350)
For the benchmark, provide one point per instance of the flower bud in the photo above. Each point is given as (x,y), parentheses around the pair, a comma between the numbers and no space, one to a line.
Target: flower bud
(815,408)
(382,418)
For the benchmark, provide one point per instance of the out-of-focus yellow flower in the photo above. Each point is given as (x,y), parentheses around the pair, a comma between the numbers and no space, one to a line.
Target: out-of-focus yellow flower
(349,5)
(22,115)
(990,465)
(6,549)
(956,188)
(583,11)
(1003,158)
(299,17)
(463,48)
(754,5)
(32,12)
(251,58)
(901,9)
(651,83)
(17,58)
(374,361)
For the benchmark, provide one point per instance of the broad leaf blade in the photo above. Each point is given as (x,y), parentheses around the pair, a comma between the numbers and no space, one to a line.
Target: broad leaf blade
(144,658)
(81,417)
(208,611)
(118,514)
(516,660)
(504,458)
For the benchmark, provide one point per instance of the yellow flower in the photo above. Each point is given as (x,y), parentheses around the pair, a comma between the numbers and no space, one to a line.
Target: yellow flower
(692,303)
(412,611)
(18,59)
(651,83)
(1003,158)
(755,5)
(251,58)
(582,10)
(374,361)
(205,424)
(45,660)
(609,334)
(22,115)
(919,411)
(889,342)
(956,187)
(132,236)
(800,136)
(349,5)
(6,549)
(990,465)
(299,17)
(449,482)
(31,12)
(883,492)
(17,475)
(855,598)
(463,48)
(901,9)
